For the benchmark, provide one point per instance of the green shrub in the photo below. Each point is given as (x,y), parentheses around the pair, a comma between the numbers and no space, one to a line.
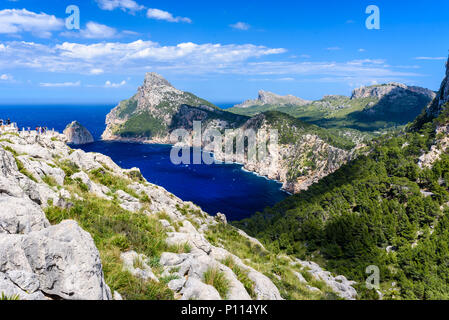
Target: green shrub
(241,275)
(217,279)
(4,297)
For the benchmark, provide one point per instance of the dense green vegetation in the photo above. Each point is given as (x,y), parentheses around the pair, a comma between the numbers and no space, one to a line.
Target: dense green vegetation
(364,114)
(381,209)
(290,128)
(127,107)
(150,123)
(141,125)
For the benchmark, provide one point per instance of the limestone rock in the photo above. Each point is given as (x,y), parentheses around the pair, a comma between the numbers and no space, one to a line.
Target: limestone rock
(128,202)
(99,190)
(339,284)
(222,218)
(20,216)
(131,258)
(42,169)
(77,134)
(194,289)
(269,98)
(392,90)
(62,260)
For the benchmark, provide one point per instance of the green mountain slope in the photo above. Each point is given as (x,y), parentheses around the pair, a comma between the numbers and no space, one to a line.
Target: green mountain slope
(368,109)
(388,209)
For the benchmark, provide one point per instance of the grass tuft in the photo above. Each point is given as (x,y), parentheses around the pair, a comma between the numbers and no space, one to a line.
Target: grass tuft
(217,279)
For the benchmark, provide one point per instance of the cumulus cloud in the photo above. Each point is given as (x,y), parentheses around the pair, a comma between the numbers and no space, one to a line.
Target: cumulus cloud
(125,5)
(139,51)
(93,30)
(15,21)
(138,57)
(60,84)
(110,84)
(166,16)
(240,26)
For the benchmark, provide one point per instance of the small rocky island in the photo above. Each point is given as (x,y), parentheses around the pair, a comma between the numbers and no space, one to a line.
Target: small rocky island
(77,134)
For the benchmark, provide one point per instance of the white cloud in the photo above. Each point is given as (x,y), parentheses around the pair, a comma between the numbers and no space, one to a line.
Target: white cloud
(240,26)
(110,84)
(125,5)
(333,48)
(138,57)
(95,30)
(430,58)
(361,50)
(166,16)
(60,84)
(96,71)
(139,51)
(15,21)
(6,77)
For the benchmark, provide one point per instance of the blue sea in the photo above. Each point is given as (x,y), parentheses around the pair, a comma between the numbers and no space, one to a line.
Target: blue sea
(224,188)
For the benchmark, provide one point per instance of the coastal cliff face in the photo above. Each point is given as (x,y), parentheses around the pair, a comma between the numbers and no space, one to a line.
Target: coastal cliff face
(441,98)
(436,109)
(157,109)
(303,157)
(306,153)
(74,225)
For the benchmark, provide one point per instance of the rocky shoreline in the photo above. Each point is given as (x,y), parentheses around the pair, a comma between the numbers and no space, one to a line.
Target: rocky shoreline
(302,160)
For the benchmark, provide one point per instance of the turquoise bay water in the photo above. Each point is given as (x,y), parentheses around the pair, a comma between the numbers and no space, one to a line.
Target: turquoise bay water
(216,188)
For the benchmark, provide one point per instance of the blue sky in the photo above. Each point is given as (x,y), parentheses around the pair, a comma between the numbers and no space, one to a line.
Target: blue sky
(223,51)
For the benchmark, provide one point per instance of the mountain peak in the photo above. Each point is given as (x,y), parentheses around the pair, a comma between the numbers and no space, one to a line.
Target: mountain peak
(391,89)
(153,79)
(270,98)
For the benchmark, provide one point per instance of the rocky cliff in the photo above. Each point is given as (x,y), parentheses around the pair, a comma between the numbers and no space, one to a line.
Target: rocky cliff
(155,110)
(74,225)
(269,98)
(77,134)
(307,153)
(441,98)
(437,109)
(393,89)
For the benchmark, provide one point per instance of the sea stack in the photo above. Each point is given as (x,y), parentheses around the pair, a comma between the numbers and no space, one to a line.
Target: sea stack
(77,134)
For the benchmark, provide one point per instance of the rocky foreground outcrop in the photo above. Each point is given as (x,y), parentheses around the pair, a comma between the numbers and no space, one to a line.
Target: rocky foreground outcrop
(77,134)
(40,174)
(39,261)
